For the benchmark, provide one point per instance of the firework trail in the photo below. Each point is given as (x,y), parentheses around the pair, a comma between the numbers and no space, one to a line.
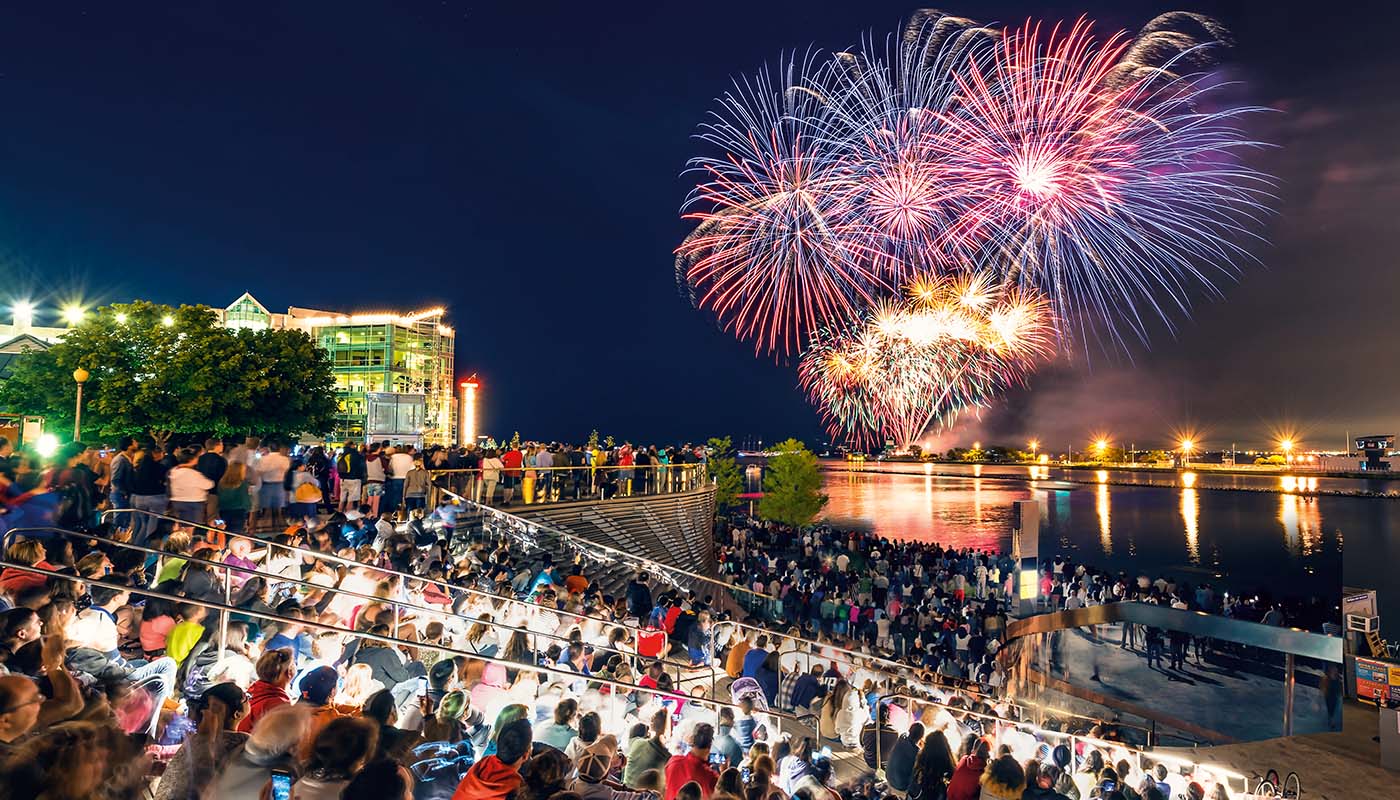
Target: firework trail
(1102,178)
(950,345)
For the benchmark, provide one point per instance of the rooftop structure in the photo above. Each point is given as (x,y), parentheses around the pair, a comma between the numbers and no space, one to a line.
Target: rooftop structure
(393,370)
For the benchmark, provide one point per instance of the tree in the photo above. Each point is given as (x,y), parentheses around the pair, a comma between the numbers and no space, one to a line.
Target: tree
(724,470)
(792,486)
(155,370)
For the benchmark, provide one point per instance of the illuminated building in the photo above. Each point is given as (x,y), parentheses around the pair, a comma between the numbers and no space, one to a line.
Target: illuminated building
(393,370)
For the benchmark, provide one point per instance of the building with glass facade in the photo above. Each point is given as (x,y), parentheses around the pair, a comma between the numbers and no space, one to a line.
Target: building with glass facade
(393,371)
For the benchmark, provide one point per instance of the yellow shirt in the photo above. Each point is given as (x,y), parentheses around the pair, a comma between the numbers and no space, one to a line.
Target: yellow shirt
(182,639)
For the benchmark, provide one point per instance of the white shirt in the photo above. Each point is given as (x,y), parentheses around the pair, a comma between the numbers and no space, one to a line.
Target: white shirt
(94,628)
(188,485)
(399,465)
(272,468)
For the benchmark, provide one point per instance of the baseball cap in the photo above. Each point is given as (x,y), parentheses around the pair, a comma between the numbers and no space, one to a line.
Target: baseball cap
(596,760)
(319,684)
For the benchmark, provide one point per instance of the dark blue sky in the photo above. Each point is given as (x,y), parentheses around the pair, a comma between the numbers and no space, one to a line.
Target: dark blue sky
(521,164)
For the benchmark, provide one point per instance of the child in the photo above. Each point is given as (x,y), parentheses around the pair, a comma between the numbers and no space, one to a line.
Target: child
(185,635)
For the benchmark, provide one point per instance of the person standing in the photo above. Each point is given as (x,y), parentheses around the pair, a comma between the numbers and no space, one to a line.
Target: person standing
(189,489)
(272,469)
(212,465)
(511,461)
(491,466)
(400,464)
(148,493)
(374,478)
(234,500)
(352,477)
(119,485)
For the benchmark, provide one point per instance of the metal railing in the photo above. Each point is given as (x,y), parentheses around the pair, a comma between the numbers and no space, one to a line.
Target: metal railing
(563,675)
(1291,642)
(447,588)
(1144,758)
(568,484)
(520,529)
(399,606)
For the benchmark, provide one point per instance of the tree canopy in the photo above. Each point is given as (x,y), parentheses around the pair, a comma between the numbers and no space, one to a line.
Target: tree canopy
(792,486)
(157,370)
(724,470)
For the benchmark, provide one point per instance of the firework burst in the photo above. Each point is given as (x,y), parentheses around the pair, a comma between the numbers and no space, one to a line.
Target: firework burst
(951,344)
(1044,173)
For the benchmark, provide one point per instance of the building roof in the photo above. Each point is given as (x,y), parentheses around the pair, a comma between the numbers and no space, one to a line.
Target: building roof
(16,347)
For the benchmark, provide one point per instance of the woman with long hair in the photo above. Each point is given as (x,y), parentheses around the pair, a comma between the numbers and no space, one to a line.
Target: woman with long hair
(933,767)
(234,500)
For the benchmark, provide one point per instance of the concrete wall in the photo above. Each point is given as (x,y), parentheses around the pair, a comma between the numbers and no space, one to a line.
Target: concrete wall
(675,529)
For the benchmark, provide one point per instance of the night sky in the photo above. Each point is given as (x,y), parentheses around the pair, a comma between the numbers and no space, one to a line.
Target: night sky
(521,163)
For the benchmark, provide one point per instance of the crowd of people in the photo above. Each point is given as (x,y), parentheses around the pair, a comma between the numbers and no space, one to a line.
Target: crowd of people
(371,655)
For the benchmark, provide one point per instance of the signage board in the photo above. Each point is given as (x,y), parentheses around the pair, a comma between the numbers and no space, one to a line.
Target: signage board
(1374,677)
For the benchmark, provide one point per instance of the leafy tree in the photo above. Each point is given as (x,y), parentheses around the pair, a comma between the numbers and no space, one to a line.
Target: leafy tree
(792,486)
(724,470)
(593,440)
(156,370)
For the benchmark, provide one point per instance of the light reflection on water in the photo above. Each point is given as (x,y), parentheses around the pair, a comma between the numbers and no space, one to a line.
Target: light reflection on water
(1252,538)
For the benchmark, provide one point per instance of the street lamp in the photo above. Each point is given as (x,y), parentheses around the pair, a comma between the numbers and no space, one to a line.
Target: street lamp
(80,377)
(1100,448)
(73,315)
(1186,447)
(1035,447)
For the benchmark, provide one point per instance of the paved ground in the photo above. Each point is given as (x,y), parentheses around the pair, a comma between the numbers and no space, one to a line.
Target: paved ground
(1241,699)
(1331,766)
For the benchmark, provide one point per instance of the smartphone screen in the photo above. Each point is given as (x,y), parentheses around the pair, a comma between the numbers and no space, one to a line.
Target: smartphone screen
(281,786)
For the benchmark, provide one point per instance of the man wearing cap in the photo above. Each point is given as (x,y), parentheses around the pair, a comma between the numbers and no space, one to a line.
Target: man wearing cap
(595,763)
(317,688)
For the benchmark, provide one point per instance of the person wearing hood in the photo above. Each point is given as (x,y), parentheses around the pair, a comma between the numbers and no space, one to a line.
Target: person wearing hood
(966,782)
(275,670)
(1003,779)
(496,777)
(271,746)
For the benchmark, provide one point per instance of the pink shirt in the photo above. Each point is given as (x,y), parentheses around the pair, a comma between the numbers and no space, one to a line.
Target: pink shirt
(155,631)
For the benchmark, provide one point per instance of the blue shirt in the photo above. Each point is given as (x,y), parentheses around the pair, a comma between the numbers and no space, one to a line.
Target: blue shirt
(282,640)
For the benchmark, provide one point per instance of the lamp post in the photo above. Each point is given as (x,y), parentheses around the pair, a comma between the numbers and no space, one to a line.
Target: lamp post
(1186,447)
(80,377)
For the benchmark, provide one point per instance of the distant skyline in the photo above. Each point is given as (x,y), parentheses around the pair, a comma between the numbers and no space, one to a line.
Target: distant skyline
(522,166)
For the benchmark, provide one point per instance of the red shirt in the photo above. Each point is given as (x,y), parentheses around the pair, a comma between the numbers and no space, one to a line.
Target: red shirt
(681,770)
(512,460)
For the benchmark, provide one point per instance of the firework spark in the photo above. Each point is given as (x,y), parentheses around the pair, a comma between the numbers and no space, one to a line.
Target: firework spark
(1101,178)
(952,344)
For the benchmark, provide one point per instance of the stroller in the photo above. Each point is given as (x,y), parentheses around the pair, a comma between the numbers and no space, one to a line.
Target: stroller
(748,687)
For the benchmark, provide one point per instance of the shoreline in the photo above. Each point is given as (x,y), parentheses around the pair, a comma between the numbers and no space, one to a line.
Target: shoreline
(1362,493)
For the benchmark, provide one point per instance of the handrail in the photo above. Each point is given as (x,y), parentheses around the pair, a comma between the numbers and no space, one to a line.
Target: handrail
(619,555)
(253,571)
(1292,641)
(567,676)
(350,562)
(449,587)
(1041,732)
